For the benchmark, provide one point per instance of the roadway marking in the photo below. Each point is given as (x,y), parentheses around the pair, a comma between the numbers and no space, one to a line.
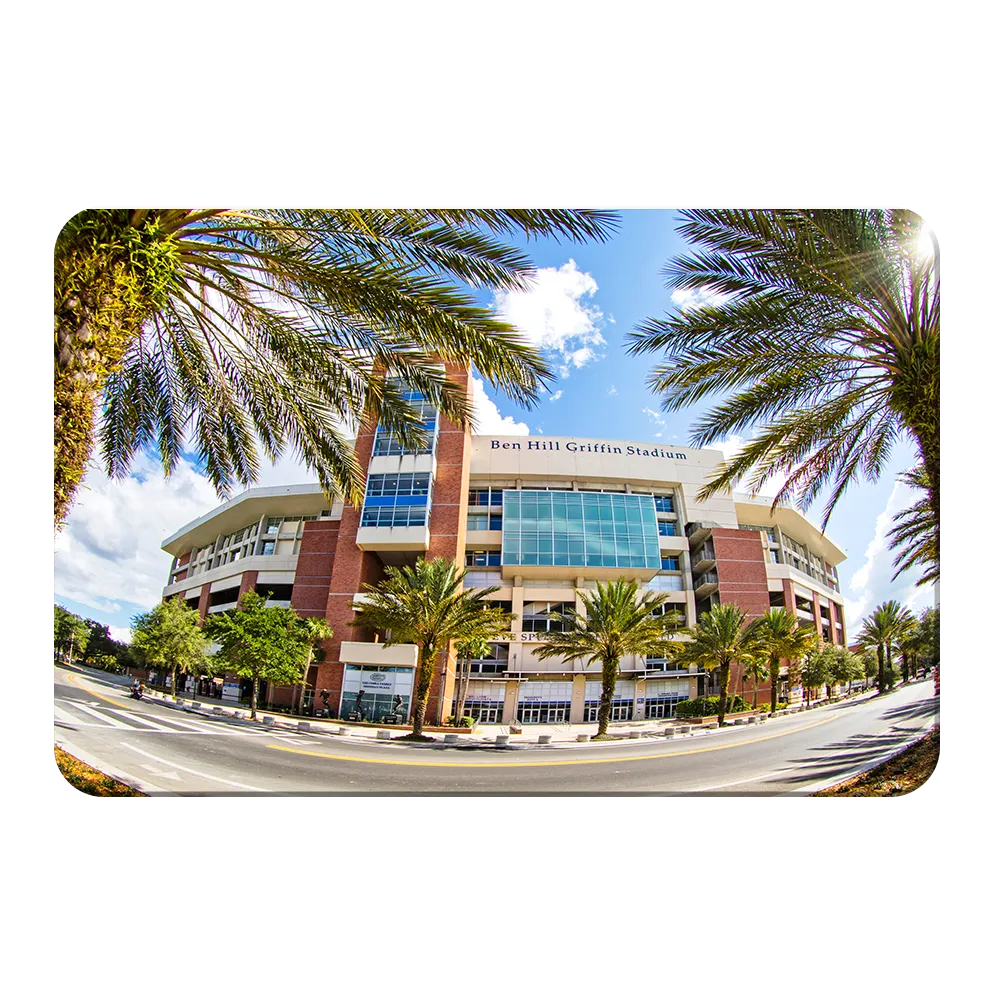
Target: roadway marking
(172,775)
(729,784)
(100,715)
(550,763)
(200,774)
(72,678)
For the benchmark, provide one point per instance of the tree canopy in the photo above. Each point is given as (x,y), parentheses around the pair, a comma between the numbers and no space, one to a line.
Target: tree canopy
(169,636)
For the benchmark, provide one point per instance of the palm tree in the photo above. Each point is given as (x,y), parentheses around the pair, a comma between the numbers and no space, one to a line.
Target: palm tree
(427,605)
(616,622)
(756,669)
(916,531)
(315,630)
(471,649)
(778,634)
(239,332)
(722,636)
(823,331)
(886,625)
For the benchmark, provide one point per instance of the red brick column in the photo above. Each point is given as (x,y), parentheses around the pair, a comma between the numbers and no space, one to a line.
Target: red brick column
(247,582)
(206,589)
(449,518)
(349,569)
(739,561)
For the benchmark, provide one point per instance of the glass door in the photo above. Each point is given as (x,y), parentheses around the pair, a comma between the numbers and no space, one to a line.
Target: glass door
(530,715)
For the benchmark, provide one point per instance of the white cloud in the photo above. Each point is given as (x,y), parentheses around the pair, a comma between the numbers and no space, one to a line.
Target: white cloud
(872,583)
(486,416)
(554,315)
(120,633)
(654,417)
(109,551)
(612,391)
(689,299)
(555,396)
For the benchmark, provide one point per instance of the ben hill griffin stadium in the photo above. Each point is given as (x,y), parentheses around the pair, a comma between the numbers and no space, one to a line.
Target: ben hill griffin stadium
(539,517)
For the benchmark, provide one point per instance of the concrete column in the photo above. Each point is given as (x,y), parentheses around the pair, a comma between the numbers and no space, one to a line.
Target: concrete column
(639,705)
(579,693)
(510,701)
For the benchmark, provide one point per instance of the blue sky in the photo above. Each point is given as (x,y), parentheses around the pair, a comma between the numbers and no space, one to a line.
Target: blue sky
(585,300)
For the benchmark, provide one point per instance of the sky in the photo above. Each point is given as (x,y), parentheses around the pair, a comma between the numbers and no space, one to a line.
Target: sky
(583,302)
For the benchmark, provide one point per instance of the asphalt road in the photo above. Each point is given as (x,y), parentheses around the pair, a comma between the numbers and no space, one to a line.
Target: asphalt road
(175,752)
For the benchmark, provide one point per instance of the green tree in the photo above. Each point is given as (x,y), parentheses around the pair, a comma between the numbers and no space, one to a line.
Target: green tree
(841,666)
(722,636)
(260,330)
(779,636)
(616,621)
(170,637)
(315,630)
(260,643)
(815,673)
(427,605)
(880,631)
(471,649)
(929,627)
(823,341)
(756,669)
(71,633)
(869,664)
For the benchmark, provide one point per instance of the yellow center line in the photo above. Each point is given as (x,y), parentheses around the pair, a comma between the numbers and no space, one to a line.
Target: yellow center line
(72,678)
(544,763)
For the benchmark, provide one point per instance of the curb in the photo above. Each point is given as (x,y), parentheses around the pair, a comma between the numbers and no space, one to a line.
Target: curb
(146,787)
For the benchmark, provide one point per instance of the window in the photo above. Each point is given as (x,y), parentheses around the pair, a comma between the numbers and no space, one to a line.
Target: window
(386,441)
(670,606)
(485,497)
(396,500)
(482,557)
(272,526)
(495,663)
(664,503)
(666,581)
(393,517)
(535,616)
(563,528)
(405,484)
(667,528)
(777,599)
(670,563)
(267,549)
(484,522)
(274,591)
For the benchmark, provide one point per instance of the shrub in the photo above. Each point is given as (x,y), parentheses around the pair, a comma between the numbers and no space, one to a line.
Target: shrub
(710,706)
(766,707)
(467,721)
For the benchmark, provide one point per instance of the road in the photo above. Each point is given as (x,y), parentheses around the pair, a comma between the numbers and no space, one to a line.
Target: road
(175,752)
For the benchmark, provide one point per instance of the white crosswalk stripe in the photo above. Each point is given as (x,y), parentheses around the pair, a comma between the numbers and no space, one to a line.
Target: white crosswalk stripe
(113,718)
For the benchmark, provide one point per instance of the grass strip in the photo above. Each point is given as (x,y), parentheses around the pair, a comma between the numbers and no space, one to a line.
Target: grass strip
(89,780)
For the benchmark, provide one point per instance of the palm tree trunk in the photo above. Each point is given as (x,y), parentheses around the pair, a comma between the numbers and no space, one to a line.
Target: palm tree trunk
(880,651)
(302,687)
(609,678)
(253,697)
(425,675)
(173,682)
(87,350)
(724,693)
(463,687)
(775,669)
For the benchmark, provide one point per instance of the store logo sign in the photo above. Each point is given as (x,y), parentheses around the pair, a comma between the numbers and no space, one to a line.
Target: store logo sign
(377,677)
